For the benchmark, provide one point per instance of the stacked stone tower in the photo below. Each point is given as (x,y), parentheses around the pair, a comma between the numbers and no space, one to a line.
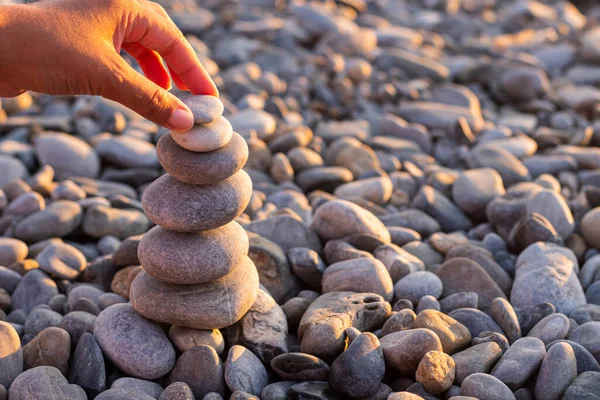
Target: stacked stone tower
(196,270)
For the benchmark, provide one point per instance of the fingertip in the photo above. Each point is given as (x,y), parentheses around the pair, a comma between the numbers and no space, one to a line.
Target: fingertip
(181,119)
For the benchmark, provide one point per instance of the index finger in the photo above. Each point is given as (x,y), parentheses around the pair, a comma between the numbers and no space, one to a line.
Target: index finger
(166,39)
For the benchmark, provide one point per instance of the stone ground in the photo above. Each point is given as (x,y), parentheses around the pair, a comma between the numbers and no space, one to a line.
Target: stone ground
(425,215)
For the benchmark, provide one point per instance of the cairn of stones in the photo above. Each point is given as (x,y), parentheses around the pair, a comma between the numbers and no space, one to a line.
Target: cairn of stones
(196,271)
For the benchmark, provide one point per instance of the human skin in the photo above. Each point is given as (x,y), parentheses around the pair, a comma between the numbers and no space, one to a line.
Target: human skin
(71,47)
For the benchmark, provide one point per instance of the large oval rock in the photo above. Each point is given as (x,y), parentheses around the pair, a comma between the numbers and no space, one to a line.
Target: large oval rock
(244,371)
(520,362)
(180,207)
(59,219)
(201,368)
(586,386)
(67,155)
(484,386)
(552,270)
(210,305)
(339,218)
(358,371)
(479,358)
(12,169)
(134,344)
(287,231)
(464,275)
(47,382)
(190,258)
(51,347)
(62,261)
(362,275)
(35,288)
(322,328)
(263,329)
(87,366)
(453,335)
(12,250)
(558,370)
(202,168)
(127,152)
(11,354)
(404,350)
(555,209)
(103,221)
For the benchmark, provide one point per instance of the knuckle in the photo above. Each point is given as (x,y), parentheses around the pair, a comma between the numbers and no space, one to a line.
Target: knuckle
(158,102)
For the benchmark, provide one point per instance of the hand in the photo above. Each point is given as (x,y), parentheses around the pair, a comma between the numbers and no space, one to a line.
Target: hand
(72,47)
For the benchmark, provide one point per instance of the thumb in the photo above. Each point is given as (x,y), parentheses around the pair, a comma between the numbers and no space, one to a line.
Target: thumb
(135,91)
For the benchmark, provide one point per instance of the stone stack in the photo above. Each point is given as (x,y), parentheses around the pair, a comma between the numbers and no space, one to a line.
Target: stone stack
(196,271)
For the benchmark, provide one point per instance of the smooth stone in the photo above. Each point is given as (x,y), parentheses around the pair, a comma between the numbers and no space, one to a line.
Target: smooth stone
(35,288)
(262,122)
(127,152)
(404,396)
(122,394)
(62,261)
(307,266)
(453,335)
(11,251)
(59,219)
(48,381)
(484,386)
(201,368)
(181,207)
(520,362)
(485,260)
(138,386)
(210,305)
(126,253)
(479,358)
(300,367)
(438,206)
(510,168)
(339,218)
(51,347)
(401,236)
(435,372)
(192,258)
(294,309)
(400,321)
(585,386)
(202,168)
(363,275)
(263,329)
(498,338)
(205,138)
(134,344)
(550,328)
(414,219)
(41,318)
(475,188)
(375,189)
(418,284)
(588,335)
(554,207)
(358,371)
(13,170)
(504,315)
(404,350)
(11,354)
(204,108)
(459,300)
(102,221)
(312,390)
(461,274)
(277,390)
(322,328)
(273,268)
(287,231)
(323,178)
(67,155)
(585,359)
(552,270)
(588,227)
(87,368)
(185,338)
(475,320)
(177,391)
(244,371)
(9,279)
(558,370)
(398,261)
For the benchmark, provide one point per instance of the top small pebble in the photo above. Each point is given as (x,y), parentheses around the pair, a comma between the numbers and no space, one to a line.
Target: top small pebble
(205,108)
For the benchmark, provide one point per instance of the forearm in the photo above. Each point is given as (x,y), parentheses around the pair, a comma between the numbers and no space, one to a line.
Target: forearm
(12,20)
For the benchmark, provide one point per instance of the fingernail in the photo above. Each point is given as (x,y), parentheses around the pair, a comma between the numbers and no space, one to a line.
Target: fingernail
(181,120)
